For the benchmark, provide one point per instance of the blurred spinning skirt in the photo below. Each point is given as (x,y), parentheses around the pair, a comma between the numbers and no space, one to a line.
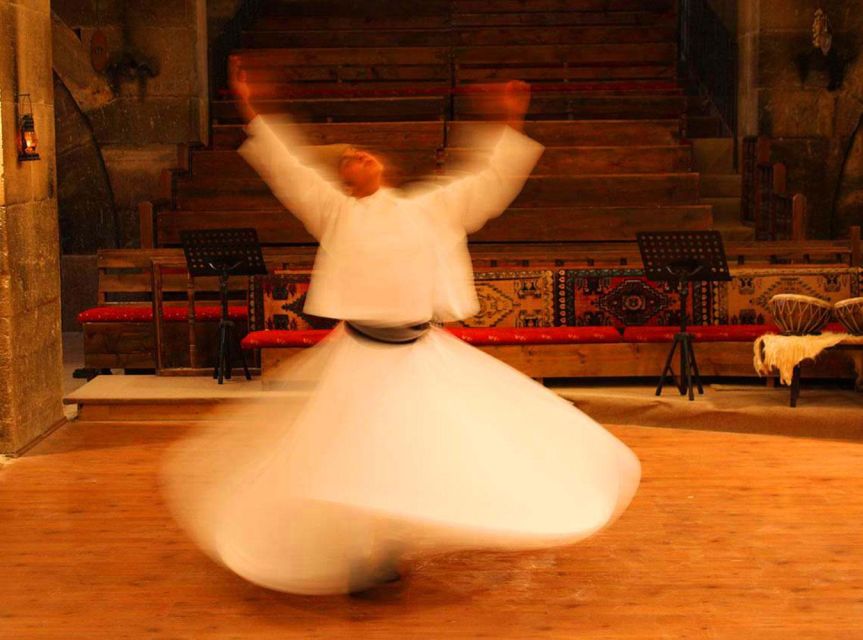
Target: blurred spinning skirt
(387,452)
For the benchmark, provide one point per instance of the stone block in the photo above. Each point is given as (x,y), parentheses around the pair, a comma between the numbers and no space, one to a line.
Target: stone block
(85,201)
(86,13)
(8,40)
(32,256)
(79,287)
(788,60)
(31,370)
(173,51)
(139,122)
(33,54)
(43,176)
(16,186)
(812,170)
(71,129)
(787,15)
(796,113)
(161,13)
(135,171)
(72,64)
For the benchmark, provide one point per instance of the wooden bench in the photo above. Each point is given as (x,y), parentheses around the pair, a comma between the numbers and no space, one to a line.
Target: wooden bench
(586,352)
(132,328)
(635,351)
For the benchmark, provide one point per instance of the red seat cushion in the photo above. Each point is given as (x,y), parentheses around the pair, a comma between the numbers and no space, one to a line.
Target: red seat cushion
(549,335)
(475,336)
(144,313)
(709,333)
(271,338)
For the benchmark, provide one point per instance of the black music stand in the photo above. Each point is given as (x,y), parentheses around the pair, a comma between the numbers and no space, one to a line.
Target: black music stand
(680,258)
(224,253)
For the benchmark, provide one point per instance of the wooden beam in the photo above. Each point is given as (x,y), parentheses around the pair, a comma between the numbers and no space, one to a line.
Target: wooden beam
(146,224)
(798,217)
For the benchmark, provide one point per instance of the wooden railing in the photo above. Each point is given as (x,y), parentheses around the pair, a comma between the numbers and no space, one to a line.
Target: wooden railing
(766,203)
(708,51)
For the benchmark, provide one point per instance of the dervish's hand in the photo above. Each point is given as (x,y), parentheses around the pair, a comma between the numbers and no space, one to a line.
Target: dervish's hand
(516,98)
(240,88)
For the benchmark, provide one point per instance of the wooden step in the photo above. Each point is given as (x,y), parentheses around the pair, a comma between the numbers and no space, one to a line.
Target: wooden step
(349,74)
(321,38)
(634,71)
(609,190)
(555,160)
(370,87)
(704,127)
(351,22)
(390,135)
(220,193)
(543,106)
(277,227)
(726,211)
(594,34)
(564,18)
(713,155)
(352,56)
(582,106)
(570,54)
(621,54)
(340,110)
(467,36)
(543,6)
(228,163)
(406,135)
(591,223)
(724,185)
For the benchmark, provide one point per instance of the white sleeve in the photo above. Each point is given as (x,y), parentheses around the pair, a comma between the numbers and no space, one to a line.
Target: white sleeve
(471,201)
(304,191)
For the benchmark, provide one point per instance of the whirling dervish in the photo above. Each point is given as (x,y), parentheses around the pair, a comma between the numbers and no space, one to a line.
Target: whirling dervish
(401,440)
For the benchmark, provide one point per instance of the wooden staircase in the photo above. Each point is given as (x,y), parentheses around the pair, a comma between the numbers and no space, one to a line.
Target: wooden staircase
(396,78)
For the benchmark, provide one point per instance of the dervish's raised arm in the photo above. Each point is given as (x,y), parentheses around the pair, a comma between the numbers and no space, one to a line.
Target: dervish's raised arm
(471,201)
(303,190)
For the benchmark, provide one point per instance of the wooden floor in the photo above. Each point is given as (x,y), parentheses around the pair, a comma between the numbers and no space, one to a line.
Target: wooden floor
(732,536)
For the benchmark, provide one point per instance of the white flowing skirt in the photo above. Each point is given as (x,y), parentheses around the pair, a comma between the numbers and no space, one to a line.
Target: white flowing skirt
(388,452)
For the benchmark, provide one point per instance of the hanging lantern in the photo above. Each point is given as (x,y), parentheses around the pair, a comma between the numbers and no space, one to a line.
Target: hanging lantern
(27,139)
(822,33)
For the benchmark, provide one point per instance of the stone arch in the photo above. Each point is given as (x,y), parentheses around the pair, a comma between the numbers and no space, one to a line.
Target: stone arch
(88,217)
(848,200)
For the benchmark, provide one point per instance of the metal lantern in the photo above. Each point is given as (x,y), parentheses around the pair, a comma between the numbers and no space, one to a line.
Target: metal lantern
(28,141)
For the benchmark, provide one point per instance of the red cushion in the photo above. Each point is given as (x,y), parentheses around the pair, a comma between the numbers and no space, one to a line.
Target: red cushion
(144,313)
(283,338)
(549,335)
(474,336)
(709,333)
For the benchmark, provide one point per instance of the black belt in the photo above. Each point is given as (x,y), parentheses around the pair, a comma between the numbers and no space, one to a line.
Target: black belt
(390,335)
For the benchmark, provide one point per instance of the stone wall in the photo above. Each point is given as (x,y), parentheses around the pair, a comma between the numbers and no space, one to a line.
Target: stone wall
(727,11)
(809,104)
(119,134)
(31,360)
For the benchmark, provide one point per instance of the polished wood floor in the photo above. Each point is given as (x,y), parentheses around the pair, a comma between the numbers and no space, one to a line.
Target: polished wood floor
(731,536)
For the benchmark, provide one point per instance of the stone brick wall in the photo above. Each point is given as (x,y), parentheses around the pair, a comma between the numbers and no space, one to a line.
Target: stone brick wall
(118,137)
(727,11)
(31,361)
(785,93)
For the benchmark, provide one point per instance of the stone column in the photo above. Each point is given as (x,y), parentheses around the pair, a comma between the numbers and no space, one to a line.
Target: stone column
(31,358)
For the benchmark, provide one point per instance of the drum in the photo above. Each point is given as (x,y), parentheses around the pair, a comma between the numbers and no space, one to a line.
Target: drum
(850,314)
(799,315)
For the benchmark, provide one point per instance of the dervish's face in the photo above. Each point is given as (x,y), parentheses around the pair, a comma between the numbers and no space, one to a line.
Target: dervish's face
(361,172)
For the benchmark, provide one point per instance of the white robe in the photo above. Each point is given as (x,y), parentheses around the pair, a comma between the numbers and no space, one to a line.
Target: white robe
(388,453)
(390,258)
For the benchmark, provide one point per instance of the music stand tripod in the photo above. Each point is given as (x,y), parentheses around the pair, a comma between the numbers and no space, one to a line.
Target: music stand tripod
(680,258)
(224,253)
